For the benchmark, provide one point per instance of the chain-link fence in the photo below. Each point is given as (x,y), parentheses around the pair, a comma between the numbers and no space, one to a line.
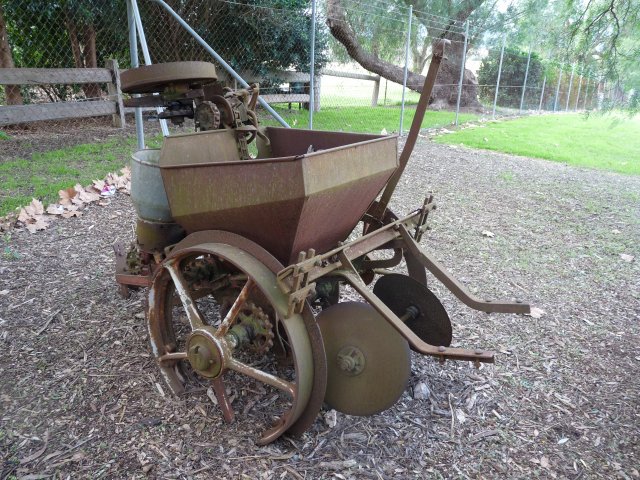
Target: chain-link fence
(363,53)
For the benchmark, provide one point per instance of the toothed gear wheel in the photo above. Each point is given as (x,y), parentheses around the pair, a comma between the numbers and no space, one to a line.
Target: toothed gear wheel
(257,322)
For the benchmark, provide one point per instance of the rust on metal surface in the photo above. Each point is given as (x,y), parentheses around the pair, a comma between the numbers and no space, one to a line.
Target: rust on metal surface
(286,204)
(234,222)
(369,364)
(211,353)
(154,78)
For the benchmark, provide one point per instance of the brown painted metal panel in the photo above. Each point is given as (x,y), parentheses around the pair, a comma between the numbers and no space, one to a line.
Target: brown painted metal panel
(199,147)
(287,204)
(289,141)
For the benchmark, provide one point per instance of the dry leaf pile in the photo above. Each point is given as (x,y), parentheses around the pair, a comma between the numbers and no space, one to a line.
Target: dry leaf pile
(72,201)
(82,396)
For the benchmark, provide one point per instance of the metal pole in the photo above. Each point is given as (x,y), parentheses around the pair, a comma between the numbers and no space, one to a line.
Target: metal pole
(586,95)
(312,69)
(495,98)
(579,88)
(526,75)
(133,51)
(544,82)
(406,67)
(220,60)
(147,57)
(555,100)
(573,67)
(464,61)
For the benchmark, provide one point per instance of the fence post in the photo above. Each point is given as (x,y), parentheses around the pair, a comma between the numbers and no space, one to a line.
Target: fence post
(147,57)
(133,51)
(376,92)
(579,88)
(464,61)
(406,67)
(495,98)
(555,100)
(544,82)
(113,89)
(312,67)
(526,75)
(573,67)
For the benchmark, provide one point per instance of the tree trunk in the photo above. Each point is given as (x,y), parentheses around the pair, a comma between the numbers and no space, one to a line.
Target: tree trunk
(83,47)
(91,90)
(445,91)
(341,30)
(12,92)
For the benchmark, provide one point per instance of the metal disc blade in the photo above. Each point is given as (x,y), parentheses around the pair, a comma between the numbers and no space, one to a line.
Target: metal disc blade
(154,78)
(355,335)
(432,323)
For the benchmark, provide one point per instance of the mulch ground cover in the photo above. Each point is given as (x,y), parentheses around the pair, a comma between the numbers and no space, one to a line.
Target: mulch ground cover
(81,395)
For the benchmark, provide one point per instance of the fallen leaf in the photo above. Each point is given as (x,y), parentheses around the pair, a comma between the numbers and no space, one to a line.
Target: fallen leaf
(23,217)
(39,452)
(88,197)
(55,209)
(626,257)
(98,185)
(331,418)
(536,312)
(460,416)
(562,441)
(35,207)
(66,196)
(487,233)
(72,213)
(544,462)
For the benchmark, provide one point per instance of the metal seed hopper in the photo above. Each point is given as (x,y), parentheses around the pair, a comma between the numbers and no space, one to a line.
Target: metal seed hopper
(245,255)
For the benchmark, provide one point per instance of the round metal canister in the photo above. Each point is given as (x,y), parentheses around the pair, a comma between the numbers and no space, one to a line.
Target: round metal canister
(147,190)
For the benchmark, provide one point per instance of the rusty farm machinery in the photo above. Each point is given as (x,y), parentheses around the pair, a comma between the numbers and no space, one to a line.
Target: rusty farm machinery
(245,254)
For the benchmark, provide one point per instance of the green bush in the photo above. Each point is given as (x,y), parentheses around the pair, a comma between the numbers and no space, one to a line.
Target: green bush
(514,66)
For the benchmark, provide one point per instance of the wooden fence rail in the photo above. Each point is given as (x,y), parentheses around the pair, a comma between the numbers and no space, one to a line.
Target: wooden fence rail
(112,105)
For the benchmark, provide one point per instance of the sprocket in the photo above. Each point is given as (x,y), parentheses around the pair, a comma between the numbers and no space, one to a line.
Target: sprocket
(258,326)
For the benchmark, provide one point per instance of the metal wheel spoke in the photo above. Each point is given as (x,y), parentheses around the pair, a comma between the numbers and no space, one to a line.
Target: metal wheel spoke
(172,357)
(223,400)
(264,377)
(195,319)
(235,308)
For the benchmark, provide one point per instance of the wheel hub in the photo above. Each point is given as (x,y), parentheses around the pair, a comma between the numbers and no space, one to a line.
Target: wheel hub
(206,353)
(351,360)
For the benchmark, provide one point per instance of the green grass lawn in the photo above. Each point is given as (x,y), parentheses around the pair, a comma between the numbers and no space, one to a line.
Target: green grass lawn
(607,142)
(365,119)
(44,174)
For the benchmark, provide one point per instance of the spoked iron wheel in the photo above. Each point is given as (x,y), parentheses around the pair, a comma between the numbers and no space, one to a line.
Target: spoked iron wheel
(215,314)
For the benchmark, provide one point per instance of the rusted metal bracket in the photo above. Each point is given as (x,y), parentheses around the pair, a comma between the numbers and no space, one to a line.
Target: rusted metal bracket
(454,285)
(298,280)
(441,352)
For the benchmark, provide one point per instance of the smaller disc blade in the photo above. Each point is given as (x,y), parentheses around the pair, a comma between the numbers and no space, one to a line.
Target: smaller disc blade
(400,292)
(368,361)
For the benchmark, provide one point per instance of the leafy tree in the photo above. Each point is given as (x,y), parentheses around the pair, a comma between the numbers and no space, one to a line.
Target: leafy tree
(260,39)
(513,72)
